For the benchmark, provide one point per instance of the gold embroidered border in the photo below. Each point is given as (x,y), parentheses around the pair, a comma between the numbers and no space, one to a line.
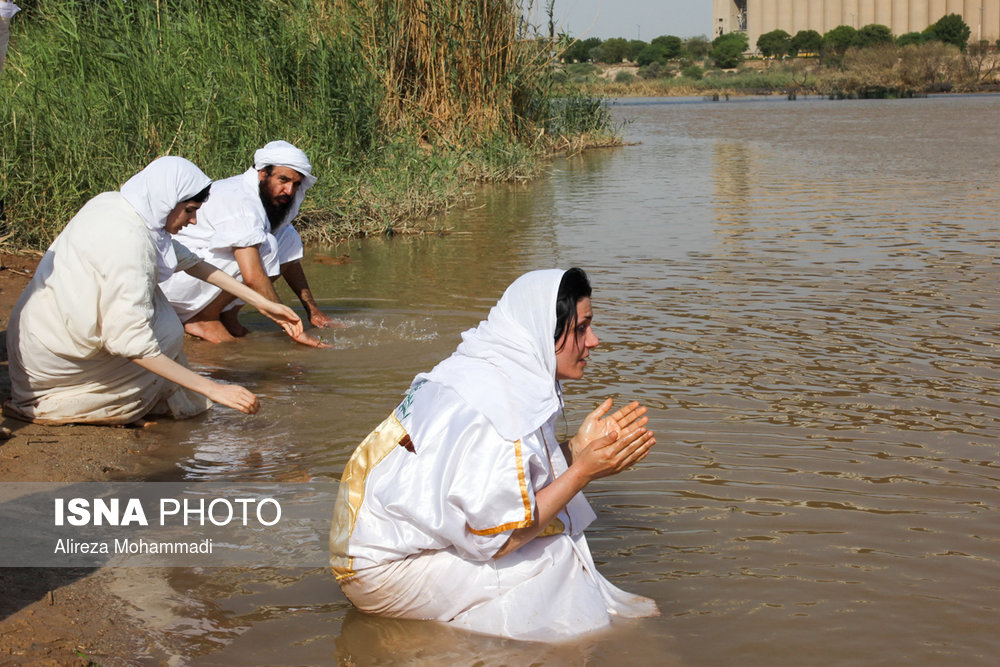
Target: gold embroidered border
(351,494)
(525,500)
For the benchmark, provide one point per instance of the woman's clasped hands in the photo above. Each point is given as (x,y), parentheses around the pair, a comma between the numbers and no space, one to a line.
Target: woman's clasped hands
(608,444)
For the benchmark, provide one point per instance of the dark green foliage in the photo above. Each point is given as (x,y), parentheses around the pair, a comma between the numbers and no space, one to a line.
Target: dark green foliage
(649,55)
(727,50)
(874,34)
(807,41)
(951,29)
(660,50)
(913,38)
(693,72)
(669,45)
(838,40)
(775,43)
(635,46)
(697,47)
(580,51)
(611,51)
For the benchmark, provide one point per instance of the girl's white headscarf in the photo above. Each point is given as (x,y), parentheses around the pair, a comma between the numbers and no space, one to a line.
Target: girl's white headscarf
(154,192)
(505,368)
(284,154)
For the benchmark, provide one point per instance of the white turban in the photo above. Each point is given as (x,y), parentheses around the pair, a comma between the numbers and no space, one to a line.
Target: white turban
(284,154)
(505,368)
(154,192)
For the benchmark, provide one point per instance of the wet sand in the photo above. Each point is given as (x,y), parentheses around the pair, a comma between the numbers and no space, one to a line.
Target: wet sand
(61,616)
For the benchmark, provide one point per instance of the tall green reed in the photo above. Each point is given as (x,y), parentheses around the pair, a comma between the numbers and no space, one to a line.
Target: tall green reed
(395,101)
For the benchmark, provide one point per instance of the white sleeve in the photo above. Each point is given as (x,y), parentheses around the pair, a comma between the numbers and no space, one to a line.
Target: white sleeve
(289,244)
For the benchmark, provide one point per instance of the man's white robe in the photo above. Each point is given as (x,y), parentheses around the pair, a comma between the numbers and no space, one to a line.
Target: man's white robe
(93,306)
(233,217)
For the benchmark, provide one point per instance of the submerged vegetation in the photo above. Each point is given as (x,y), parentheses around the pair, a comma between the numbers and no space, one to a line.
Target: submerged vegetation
(398,103)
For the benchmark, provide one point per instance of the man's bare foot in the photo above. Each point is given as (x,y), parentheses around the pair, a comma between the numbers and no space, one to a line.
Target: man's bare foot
(230,320)
(141,422)
(211,330)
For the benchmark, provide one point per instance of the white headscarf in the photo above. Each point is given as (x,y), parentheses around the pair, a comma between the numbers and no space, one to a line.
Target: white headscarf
(154,192)
(505,368)
(284,154)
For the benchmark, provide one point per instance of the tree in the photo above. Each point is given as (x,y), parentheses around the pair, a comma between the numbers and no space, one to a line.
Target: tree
(912,38)
(635,47)
(951,29)
(727,50)
(774,43)
(580,50)
(649,55)
(807,41)
(697,47)
(613,50)
(874,34)
(838,40)
(669,45)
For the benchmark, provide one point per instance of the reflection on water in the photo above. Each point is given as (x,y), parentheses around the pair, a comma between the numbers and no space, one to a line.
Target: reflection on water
(805,295)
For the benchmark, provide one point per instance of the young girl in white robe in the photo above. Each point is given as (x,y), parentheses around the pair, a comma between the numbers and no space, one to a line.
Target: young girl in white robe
(462,506)
(92,339)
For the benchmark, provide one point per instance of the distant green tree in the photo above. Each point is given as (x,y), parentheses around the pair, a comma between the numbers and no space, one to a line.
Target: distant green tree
(838,40)
(775,43)
(807,41)
(697,47)
(635,47)
(580,50)
(951,29)
(670,46)
(613,50)
(874,34)
(913,38)
(649,55)
(727,50)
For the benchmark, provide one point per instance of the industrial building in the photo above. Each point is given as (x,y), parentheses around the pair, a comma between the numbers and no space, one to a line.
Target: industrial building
(756,17)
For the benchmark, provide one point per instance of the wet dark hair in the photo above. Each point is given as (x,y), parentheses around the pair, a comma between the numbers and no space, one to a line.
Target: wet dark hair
(201,196)
(574,286)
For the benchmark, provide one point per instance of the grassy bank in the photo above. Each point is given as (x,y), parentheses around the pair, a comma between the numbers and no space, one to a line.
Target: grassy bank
(879,71)
(398,103)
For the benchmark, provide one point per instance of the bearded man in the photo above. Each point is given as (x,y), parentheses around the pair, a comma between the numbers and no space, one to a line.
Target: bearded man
(245,229)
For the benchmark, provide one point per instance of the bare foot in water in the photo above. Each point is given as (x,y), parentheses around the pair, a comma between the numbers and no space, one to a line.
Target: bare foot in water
(211,330)
(230,320)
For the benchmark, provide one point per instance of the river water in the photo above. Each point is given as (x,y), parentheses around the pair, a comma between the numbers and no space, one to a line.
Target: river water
(804,294)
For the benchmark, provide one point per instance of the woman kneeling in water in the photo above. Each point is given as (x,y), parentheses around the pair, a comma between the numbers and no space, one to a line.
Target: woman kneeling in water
(463,507)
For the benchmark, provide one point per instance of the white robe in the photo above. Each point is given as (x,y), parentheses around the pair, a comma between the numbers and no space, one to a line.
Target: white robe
(233,217)
(428,499)
(92,306)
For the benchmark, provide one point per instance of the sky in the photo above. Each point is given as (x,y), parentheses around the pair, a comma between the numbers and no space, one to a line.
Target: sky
(631,19)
